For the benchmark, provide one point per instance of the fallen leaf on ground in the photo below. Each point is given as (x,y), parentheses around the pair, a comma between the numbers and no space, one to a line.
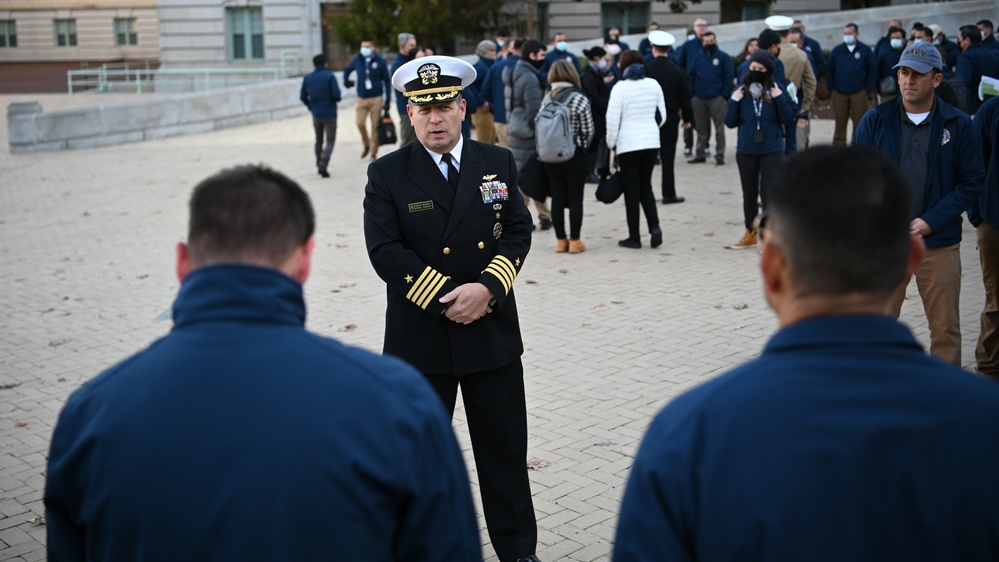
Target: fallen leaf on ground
(740,306)
(536,464)
(348,328)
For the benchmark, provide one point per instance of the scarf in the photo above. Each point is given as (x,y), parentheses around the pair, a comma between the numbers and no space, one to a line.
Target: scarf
(634,72)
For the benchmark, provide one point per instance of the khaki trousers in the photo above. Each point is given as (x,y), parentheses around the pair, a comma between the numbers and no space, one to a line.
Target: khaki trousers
(852,107)
(500,133)
(803,134)
(987,352)
(369,109)
(938,279)
(482,120)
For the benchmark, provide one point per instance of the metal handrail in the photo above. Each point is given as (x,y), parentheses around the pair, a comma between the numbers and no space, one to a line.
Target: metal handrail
(191,79)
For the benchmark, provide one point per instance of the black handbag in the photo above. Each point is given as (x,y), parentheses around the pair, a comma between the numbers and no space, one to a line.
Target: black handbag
(386,130)
(609,188)
(533,179)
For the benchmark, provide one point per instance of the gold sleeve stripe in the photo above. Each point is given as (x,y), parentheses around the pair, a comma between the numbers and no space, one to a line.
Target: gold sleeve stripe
(503,276)
(432,293)
(505,265)
(419,283)
(422,294)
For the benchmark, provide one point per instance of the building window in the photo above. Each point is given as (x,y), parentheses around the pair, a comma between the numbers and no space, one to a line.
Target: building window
(246,33)
(8,33)
(629,17)
(65,33)
(126,31)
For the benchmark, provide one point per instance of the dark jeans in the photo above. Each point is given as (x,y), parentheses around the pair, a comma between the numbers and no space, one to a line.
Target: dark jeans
(565,180)
(668,135)
(636,183)
(327,127)
(755,170)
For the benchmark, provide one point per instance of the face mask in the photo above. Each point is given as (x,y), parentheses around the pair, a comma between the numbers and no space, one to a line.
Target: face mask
(849,39)
(936,42)
(412,53)
(601,64)
(897,43)
(614,50)
(365,52)
(916,41)
(500,43)
(614,38)
(561,46)
(710,48)
(538,63)
(756,90)
(691,37)
(984,36)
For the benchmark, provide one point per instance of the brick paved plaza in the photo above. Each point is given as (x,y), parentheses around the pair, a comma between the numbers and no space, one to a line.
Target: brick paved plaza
(87,246)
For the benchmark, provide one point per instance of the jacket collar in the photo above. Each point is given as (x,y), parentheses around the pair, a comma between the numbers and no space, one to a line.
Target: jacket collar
(238,293)
(843,331)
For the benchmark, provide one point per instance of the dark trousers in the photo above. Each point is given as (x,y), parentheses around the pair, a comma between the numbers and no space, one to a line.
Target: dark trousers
(565,180)
(668,135)
(636,183)
(496,409)
(327,128)
(688,136)
(756,171)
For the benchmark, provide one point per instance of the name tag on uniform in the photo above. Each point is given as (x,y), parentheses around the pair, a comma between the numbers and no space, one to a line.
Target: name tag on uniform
(494,191)
(421,206)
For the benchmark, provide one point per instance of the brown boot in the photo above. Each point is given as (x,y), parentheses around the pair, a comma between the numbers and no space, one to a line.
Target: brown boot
(748,240)
(576,246)
(561,245)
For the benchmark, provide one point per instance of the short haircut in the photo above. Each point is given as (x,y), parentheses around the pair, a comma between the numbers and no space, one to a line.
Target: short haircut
(894,30)
(986,23)
(405,37)
(971,32)
(556,34)
(841,233)
(530,47)
(630,57)
(518,43)
(854,26)
(502,32)
(661,48)
(708,34)
(367,40)
(563,70)
(248,214)
(319,60)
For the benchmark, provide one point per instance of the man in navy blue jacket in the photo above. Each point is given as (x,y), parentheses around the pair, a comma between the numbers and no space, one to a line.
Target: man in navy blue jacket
(374,84)
(242,436)
(843,440)
(482,119)
(851,73)
(407,52)
(976,60)
(320,94)
(711,74)
(939,153)
(984,214)
(988,36)
(814,49)
(493,89)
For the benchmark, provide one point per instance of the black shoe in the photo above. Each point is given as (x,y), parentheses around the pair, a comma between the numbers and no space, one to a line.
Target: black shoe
(719,160)
(546,224)
(659,161)
(697,160)
(630,243)
(592,178)
(533,227)
(529,558)
(324,173)
(657,237)
(672,200)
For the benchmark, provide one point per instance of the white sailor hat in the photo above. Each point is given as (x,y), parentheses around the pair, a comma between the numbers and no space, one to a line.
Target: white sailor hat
(433,79)
(779,23)
(661,38)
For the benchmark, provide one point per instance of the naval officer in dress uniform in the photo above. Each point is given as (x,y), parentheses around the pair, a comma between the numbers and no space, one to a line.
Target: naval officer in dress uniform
(448,232)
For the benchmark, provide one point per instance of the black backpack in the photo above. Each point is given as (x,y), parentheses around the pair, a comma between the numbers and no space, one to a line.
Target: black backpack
(953,90)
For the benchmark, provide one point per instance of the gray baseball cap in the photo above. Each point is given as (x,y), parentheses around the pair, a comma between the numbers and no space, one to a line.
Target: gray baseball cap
(921,57)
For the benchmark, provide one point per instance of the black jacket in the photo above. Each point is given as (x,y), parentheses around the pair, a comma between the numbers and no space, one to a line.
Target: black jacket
(598,93)
(424,240)
(673,81)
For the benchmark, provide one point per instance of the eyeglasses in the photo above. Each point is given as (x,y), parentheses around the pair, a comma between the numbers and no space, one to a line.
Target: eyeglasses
(760,226)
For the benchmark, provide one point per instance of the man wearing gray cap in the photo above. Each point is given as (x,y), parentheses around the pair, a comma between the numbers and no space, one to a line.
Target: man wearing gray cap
(482,119)
(938,152)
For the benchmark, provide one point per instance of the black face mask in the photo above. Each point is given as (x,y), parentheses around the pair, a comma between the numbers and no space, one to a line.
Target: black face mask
(537,63)
(412,52)
(756,76)
(711,48)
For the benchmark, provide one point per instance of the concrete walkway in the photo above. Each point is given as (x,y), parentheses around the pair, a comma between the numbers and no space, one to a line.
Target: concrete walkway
(87,240)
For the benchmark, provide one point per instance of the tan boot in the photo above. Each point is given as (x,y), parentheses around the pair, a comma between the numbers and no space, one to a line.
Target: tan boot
(561,245)
(576,246)
(748,240)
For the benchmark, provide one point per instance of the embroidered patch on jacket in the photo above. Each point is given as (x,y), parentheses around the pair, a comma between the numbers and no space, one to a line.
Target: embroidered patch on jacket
(946,137)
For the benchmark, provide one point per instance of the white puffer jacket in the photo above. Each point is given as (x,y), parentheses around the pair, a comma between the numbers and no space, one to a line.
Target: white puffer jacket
(631,115)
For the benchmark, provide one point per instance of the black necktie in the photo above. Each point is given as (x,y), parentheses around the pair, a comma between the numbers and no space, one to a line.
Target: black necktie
(452,172)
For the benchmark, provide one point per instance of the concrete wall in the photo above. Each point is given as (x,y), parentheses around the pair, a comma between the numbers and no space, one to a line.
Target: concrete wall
(31,130)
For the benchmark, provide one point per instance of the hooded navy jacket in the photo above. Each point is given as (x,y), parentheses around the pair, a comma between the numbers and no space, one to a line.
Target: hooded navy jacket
(955,172)
(242,436)
(710,74)
(849,73)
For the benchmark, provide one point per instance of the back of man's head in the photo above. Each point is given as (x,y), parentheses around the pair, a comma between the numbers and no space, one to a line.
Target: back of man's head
(840,216)
(248,214)
(319,60)
(971,33)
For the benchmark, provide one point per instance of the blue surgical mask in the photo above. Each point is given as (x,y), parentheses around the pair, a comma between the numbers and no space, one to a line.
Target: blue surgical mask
(936,42)
(561,46)
(500,43)
(365,52)
(602,64)
(917,40)
(849,39)
(897,43)
(691,37)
